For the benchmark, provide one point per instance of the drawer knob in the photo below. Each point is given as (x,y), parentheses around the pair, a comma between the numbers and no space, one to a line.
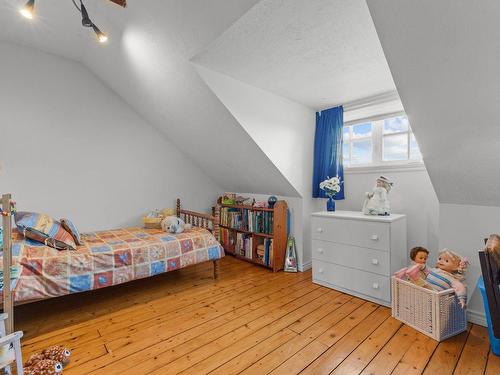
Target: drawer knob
(320,270)
(374,261)
(320,250)
(375,285)
(319,230)
(374,237)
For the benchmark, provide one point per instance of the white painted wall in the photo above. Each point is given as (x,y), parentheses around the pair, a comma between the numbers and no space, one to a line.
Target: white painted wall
(284,130)
(77,150)
(463,228)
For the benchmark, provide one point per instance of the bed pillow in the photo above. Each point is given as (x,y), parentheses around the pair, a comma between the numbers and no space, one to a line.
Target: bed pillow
(42,228)
(71,229)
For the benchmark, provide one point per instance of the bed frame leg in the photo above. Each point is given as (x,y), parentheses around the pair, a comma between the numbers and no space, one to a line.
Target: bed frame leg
(216,269)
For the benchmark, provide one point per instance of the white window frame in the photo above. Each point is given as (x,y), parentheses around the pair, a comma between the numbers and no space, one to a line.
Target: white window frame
(377,147)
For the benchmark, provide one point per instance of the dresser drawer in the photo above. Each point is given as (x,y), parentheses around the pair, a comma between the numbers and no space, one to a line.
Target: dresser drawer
(360,258)
(360,233)
(369,284)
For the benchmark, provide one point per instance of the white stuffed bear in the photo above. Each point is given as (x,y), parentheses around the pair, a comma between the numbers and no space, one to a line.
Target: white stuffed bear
(174,225)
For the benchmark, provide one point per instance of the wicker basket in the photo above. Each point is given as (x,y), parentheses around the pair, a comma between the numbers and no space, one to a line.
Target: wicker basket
(152,222)
(435,314)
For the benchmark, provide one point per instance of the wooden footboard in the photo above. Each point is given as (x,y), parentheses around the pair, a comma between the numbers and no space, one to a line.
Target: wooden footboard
(203,220)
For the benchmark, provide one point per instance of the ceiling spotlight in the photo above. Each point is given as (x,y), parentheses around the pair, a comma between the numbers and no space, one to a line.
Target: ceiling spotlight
(28,11)
(101,37)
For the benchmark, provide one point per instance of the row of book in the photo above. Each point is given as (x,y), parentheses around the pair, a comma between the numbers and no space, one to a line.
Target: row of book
(244,245)
(230,217)
(265,252)
(227,240)
(258,221)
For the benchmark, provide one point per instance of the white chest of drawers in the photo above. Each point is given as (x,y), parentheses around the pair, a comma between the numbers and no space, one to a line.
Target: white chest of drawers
(357,254)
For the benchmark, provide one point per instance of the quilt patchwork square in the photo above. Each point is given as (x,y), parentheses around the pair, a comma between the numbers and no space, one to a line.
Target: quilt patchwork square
(79,283)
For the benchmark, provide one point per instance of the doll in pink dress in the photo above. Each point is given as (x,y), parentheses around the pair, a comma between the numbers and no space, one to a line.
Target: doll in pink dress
(417,272)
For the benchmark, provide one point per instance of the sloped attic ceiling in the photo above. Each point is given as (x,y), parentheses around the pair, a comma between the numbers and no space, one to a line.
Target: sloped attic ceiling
(147,63)
(444,57)
(320,53)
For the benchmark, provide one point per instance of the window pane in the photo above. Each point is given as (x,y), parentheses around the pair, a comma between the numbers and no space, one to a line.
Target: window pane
(395,147)
(414,149)
(345,152)
(396,125)
(346,133)
(361,152)
(362,130)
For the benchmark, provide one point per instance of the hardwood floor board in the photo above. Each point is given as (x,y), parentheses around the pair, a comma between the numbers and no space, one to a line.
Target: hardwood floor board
(278,356)
(493,365)
(416,357)
(475,353)
(249,321)
(204,333)
(364,353)
(308,353)
(446,355)
(387,359)
(195,315)
(325,362)
(102,322)
(339,307)
(71,306)
(207,358)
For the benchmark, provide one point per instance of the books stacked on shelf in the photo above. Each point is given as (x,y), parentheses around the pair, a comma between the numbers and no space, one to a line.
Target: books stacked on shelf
(227,239)
(265,252)
(230,217)
(258,221)
(244,245)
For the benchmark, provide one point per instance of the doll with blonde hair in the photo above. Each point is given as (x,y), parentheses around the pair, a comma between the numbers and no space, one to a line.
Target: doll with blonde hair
(449,273)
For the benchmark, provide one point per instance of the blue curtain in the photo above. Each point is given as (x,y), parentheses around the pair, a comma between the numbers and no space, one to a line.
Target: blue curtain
(328,149)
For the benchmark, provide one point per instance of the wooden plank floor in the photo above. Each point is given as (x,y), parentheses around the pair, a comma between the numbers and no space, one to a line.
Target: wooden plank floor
(250,321)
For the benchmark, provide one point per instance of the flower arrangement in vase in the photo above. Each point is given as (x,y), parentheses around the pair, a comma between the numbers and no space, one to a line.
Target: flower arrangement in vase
(330,186)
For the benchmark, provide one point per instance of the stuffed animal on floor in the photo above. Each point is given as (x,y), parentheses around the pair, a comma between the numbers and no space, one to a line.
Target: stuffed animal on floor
(44,367)
(173,224)
(56,353)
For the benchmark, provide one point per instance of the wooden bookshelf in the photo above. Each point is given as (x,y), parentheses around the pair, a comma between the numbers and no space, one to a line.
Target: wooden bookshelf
(276,231)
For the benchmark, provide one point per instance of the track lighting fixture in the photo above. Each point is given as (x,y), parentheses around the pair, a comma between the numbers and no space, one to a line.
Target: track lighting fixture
(28,10)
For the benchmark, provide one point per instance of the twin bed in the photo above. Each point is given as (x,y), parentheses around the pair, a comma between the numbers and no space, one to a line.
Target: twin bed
(106,258)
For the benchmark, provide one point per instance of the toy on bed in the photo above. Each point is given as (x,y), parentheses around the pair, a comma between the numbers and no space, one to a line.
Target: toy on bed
(175,225)
(44,367)
(418,271)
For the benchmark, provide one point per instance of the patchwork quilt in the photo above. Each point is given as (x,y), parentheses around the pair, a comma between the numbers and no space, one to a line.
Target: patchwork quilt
(106,258)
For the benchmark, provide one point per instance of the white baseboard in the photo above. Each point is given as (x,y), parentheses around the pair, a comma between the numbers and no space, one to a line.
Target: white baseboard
(305,266)
(476,317)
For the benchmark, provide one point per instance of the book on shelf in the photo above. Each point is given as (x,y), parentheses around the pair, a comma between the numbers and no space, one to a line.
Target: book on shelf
(265,252)
(244,245)
(230,217)
(258,221)
(226,237)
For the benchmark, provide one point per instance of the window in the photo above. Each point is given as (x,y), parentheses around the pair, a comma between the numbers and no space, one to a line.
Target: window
(385,141)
